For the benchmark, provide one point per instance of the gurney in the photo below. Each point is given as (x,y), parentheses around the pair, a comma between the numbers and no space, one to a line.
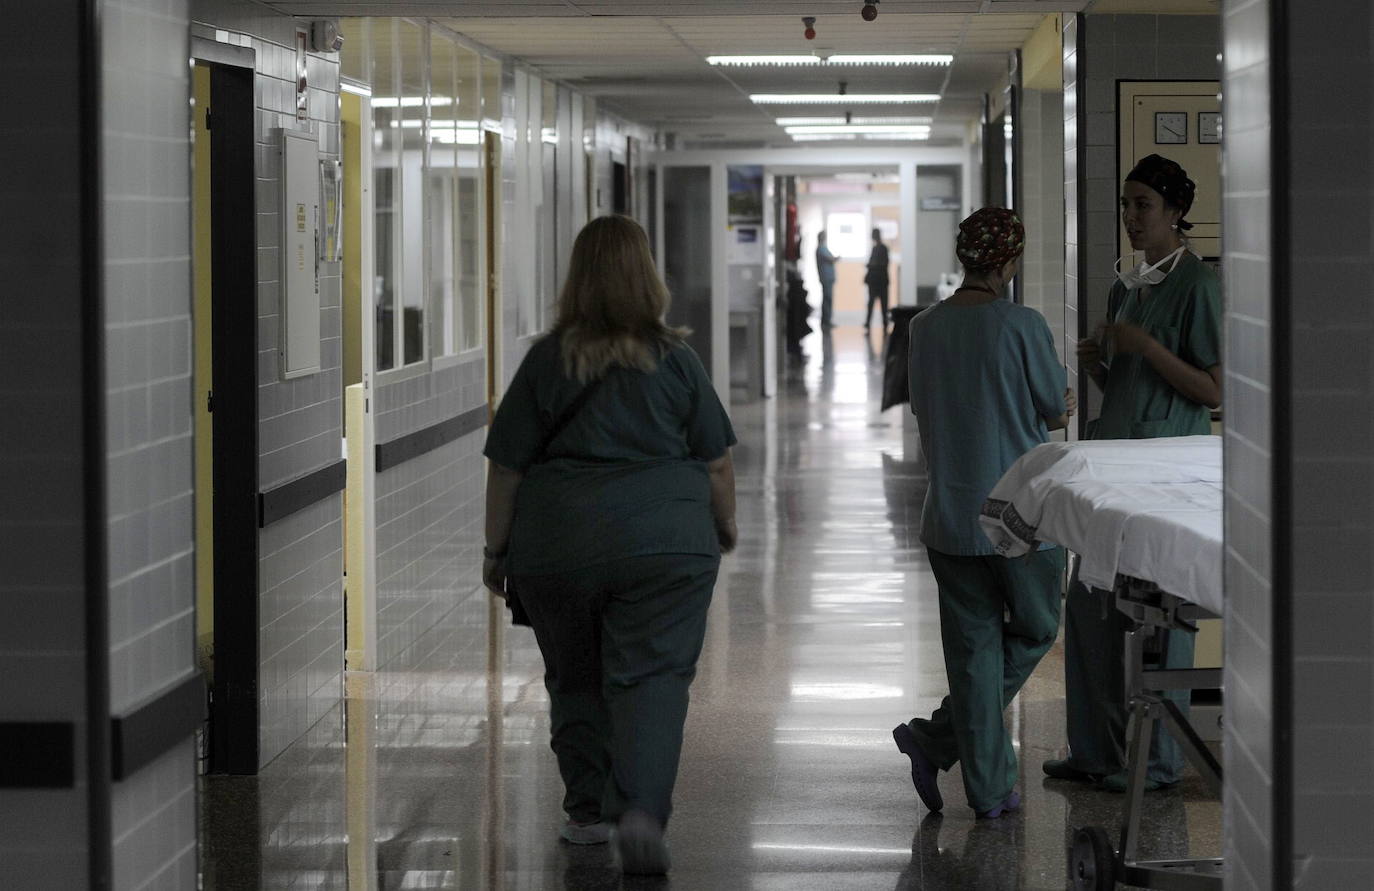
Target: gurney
(1145,518)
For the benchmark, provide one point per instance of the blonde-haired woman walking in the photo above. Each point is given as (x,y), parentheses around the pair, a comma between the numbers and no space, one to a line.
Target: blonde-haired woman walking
(610,498)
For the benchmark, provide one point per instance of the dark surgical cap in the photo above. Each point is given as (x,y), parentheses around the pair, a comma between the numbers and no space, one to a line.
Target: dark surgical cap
(1169,180)
(990,239)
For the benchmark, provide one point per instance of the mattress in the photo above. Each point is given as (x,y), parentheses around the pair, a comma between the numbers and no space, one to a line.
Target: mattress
(1148,509)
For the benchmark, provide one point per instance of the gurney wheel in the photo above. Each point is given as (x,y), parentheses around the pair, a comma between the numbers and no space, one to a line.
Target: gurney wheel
(1092,860)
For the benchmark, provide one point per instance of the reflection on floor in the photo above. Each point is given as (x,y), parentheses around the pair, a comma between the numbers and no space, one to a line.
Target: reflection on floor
(823,635)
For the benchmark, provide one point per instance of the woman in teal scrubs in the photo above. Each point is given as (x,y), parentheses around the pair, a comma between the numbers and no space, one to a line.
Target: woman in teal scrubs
(1158,362)
(986,387)
(610,498)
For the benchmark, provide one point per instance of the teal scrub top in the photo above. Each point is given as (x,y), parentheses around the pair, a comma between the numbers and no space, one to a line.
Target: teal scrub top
(1183,313)
(626,477)
(983,378)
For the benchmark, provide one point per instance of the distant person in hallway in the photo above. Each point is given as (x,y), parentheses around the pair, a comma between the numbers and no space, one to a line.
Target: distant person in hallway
(825,271)
(877,281)
(986,387)
(1158,363)
(610,498)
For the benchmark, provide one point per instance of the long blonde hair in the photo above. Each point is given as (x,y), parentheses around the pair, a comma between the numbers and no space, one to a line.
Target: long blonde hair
(611,308)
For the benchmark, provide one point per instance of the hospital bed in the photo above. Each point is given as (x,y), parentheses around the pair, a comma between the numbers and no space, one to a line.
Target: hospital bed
(1145,518)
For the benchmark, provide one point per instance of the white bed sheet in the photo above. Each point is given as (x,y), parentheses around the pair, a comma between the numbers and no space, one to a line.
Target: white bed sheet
(1150,509)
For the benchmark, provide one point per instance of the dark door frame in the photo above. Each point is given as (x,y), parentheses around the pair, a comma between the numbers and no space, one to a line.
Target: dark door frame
(233,737)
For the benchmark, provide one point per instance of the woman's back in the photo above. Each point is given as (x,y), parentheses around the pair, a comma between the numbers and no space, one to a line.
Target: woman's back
(626,476)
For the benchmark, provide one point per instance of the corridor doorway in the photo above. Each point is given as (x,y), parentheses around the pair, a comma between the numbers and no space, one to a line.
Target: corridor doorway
(226,401)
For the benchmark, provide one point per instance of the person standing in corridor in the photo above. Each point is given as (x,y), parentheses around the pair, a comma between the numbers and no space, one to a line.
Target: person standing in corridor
(1158,363)
(986,387)
(825,271)
(877,280)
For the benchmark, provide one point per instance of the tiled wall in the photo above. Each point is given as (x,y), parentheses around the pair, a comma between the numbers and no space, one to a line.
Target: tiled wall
(1042,186)
(147,218)
(146,283)
(1249,762)
(1328,238)
(1123,47)
(299,420)
(429,509)
(42,644)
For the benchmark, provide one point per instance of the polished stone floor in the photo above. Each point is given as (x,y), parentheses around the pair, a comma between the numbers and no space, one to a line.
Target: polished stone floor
(823,635)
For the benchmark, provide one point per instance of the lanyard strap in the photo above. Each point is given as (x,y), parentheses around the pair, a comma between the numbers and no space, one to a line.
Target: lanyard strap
(564,419)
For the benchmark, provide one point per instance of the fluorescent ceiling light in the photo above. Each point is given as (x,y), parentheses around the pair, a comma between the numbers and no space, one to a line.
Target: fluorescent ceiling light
(839,120)
(837,59)
(902,136)
(409,101)
(822,137)
(763,60)
(355,89)
(837,99)
(862,128)
(882,59)
(441,124)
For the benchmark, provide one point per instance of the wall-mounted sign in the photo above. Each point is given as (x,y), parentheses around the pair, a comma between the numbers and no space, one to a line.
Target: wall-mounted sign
(940,202)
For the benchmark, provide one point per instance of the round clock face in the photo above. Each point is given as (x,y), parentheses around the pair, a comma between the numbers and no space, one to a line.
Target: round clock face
(1171,127)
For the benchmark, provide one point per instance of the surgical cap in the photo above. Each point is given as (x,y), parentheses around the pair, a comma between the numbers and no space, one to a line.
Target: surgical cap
(990,239)
(1169,180)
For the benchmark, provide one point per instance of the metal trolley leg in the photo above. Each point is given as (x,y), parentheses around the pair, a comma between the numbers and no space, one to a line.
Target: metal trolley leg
(1093,864)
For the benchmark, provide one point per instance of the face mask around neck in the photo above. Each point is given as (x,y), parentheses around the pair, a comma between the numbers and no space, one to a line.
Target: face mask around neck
(1144,274)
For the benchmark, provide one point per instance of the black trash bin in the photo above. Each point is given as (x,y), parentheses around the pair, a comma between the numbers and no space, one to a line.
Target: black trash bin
(894,360)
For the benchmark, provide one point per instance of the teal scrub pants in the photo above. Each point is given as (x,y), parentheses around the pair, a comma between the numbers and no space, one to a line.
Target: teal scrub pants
(1095,686)
(620,642)
(998,617)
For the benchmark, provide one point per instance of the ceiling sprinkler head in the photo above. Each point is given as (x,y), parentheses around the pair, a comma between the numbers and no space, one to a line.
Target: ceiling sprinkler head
(809,23)
(870,10)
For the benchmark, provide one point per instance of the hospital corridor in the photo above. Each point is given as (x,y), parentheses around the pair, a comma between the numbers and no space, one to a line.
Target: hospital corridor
(687,444)
(822,635)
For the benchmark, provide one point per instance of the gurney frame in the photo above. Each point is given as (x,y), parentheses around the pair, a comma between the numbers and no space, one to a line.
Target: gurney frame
(1094,865)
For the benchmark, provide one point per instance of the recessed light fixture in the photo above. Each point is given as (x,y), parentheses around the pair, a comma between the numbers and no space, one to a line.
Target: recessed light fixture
(410,101)
(842,99)
(839,119)
(862,128)
(763,60)
(886,59)
(834,60)
(823,137)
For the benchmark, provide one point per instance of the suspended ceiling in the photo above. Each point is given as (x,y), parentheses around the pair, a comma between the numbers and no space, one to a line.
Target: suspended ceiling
(646,60)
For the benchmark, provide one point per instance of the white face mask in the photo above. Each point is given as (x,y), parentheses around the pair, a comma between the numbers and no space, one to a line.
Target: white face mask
(1144,274)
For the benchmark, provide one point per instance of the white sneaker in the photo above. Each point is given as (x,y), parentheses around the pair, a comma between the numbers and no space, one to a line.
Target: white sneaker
(643,852)
(586,833)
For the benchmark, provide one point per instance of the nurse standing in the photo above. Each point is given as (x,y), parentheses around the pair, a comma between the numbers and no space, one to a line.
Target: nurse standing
(1158,362)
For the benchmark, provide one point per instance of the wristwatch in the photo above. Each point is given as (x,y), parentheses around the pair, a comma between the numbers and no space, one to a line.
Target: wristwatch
(489,554)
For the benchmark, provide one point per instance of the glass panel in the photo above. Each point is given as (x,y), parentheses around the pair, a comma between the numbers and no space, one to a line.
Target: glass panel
(467,161)
(491,93)
(441,193)
(355,60)
(411,50)
(386,116)
(529,193)
(548,214)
